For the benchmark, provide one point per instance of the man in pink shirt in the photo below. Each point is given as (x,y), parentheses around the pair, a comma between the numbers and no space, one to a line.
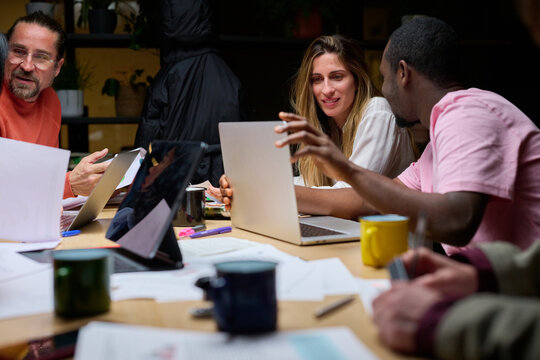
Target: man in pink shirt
(478,179)
(483,144)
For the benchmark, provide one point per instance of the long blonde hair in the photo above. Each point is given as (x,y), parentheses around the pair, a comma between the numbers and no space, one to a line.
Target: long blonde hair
(351,55)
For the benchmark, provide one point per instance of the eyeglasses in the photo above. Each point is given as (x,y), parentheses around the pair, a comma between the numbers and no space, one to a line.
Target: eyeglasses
(40,60)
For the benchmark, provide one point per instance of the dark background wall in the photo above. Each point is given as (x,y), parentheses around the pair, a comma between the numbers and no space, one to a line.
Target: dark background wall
(259,44)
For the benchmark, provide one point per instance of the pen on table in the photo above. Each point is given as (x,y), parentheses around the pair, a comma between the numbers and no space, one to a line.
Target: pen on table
(71,233)
(184,233)
(334,306)
(418,240)
(220,230)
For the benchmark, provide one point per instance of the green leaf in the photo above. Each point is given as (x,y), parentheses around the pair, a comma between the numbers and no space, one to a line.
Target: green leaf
(110,87)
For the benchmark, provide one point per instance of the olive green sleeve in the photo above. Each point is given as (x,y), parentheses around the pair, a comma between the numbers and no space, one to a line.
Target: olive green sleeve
(489,326)
(517,271)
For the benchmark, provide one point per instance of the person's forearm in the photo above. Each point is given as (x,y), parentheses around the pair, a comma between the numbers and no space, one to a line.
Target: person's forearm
(344,203)
(452,218)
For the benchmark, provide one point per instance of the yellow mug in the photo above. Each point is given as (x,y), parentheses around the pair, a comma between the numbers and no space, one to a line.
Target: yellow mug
(382,238)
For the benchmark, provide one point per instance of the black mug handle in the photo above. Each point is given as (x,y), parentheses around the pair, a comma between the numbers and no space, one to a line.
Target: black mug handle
(204,283)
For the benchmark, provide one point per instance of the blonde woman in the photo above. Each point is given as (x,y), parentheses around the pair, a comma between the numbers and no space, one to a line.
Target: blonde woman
(333,92)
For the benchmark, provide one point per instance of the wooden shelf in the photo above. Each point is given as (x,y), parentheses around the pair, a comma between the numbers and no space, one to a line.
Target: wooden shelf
(98,40)
(282,42)
(99,120)
(123,41)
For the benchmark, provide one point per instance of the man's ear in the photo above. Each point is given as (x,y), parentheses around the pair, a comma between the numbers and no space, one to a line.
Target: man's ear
(58,67)
(403,73)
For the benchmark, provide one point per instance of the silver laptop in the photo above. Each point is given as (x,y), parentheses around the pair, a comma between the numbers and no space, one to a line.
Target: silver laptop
(101,194)
(262,181)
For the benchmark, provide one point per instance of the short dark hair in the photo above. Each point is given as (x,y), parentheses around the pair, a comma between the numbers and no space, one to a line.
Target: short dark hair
(39,18)
(430,46)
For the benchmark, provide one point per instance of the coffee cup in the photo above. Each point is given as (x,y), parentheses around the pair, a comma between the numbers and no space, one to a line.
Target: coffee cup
(244,296)
(191,211)
(81,282)
(382,238)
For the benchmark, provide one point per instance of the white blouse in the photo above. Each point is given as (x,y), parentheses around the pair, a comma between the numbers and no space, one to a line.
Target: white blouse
(380,145)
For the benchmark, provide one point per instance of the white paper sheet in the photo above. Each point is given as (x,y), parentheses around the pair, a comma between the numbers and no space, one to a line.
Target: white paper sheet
(118,341)
(133,168)
(27,295)
(193,248)
(369,289)
(31,190)
(296,279)
(14,265)
(262,252)
(175,285)
(19,247)
(336,278)
(299,280)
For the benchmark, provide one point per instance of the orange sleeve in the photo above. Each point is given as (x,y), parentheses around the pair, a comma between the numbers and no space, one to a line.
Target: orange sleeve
(67,187)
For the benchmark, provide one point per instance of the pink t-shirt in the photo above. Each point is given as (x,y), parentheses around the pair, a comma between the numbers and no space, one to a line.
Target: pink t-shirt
(482,143)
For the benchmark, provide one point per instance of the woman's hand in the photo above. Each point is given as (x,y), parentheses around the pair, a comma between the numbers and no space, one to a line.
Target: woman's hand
(214,192)
(226,192)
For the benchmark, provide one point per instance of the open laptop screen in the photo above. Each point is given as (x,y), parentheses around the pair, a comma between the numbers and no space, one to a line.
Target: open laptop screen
(164,174)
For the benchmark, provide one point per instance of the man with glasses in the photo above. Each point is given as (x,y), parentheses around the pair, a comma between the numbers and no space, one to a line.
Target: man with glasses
(29,108)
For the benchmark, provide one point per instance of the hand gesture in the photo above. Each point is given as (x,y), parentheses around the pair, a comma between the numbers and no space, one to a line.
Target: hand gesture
(325,153)
(87,173)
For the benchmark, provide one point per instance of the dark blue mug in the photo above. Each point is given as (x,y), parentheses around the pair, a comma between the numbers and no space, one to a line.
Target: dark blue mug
(244,296)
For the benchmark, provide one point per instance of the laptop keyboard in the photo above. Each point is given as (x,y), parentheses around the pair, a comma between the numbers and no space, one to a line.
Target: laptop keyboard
(307,230)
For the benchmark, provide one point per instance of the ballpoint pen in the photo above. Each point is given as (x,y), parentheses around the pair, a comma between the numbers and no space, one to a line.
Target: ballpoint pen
(334,306)
(418,240)
(220,230)
(71,233)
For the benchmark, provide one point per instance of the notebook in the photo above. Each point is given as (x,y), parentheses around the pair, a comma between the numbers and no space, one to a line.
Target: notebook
(101,194)
(262,181)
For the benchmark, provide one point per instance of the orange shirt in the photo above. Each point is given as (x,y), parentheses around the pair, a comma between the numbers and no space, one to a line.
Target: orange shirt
(38,122)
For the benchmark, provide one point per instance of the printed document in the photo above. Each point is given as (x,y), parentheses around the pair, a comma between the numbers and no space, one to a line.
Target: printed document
(31,191)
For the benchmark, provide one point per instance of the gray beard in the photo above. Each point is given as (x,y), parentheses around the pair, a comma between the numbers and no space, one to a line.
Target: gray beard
(23,91)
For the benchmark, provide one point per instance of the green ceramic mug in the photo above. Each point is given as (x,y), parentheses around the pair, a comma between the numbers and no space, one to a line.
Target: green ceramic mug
(81,282)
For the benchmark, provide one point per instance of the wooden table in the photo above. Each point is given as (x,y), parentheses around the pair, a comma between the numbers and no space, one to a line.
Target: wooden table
(292,315)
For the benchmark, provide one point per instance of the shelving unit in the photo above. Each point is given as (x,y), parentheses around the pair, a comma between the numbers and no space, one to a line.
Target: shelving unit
(99,120)
(78,126)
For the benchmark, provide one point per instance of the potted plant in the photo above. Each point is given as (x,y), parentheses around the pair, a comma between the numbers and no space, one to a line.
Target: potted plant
(99,15)
(129,92)
(45,6)
(69,86)
(138,19)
